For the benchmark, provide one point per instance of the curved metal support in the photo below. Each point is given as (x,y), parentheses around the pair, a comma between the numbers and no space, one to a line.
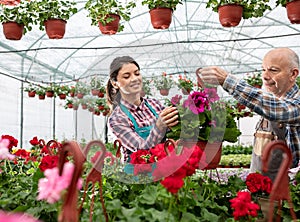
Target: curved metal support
(95,176)
(69,207)
(118,145)
(280,189)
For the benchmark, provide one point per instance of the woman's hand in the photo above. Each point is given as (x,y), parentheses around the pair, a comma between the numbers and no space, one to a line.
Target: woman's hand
(167,118)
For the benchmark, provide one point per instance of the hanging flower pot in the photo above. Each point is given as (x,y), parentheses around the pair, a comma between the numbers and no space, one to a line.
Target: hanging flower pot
(95,92)
(13,30)
(50,93)
(31,94)
(293,11)
(112,27)
(62,96)
(230,15)
(164,92)
(84,106)
(42,96)
(55,28)
(161,18)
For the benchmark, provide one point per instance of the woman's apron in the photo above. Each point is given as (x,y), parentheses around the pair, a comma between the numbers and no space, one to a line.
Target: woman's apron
(141,131)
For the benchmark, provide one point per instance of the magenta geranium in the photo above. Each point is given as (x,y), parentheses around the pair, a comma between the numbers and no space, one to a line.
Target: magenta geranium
(204,116)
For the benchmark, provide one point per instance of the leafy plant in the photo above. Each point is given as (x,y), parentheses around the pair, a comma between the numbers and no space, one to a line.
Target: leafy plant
(283,2)
(203,116)
(53,9)
(251,8)
(30,88)
(254,79)
(22,13)
(62,89)
(100,9)
(147,86)
(185,83)
(164,81)
(162,4)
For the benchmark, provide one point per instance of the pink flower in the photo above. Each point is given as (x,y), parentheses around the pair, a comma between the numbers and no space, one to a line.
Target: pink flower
(52,185)
(16,217)
(4,151)
(197,102)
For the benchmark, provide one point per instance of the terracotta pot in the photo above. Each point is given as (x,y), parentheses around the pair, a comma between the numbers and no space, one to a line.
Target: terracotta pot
(293,11)
(101,94)
(13,30)
(72,94)
(42,97)
(230,15)
(55,28)
(161,18)
(75,107)
(112,27)
(95,92)
(83,106)
(62,96)
(70,106)
(213,152)
(164,92)
(31,94)
(49,93)
(80,95)
(264,204)
(9,2)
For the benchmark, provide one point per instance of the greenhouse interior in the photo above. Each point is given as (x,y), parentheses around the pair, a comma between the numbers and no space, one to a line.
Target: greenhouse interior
(61,161)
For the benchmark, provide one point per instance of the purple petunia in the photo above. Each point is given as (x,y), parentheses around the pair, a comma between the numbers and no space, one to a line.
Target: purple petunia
(197,102)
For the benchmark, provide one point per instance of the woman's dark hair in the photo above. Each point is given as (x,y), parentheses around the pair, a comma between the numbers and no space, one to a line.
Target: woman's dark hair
(113,95)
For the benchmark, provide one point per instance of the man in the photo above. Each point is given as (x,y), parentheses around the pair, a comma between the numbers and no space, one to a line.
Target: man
(281,100)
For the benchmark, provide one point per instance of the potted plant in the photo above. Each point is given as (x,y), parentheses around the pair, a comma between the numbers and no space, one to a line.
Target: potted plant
(231,11)
(107,14)
(185,84)
(62,91)
(204,120)
(41,92)
(31,90)
(254,80)
(53,16)
(146,90)
(164,83)
(161,12)
(95,84)
(292,9)
(17,20)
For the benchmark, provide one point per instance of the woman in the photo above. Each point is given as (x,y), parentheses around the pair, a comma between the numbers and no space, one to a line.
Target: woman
(139,123)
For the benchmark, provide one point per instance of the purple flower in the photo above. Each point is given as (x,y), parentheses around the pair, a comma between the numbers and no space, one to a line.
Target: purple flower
(197,102)
(176,99)
(212,94)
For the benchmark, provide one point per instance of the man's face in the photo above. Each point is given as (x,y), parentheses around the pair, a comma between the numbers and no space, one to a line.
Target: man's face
(277,73)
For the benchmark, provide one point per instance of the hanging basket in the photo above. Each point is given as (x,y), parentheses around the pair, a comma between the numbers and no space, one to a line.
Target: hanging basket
(293,11)
(230,15)
(31,94)
(112,27)
(164,92)
(55,28)
(13,30)
(161,18)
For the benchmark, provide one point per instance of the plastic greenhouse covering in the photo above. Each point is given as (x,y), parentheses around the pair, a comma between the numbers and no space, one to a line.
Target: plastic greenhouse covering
(194,39)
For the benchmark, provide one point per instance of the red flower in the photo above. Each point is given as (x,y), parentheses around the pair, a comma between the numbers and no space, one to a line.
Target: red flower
(257,183)
(140,157)
(12,141)
(22,153)
(172,183)
(34,141)
(48,162)
(243,206)
(159,151)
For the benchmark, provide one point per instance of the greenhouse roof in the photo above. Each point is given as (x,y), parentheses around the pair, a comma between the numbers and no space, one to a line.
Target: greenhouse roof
(195,38)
